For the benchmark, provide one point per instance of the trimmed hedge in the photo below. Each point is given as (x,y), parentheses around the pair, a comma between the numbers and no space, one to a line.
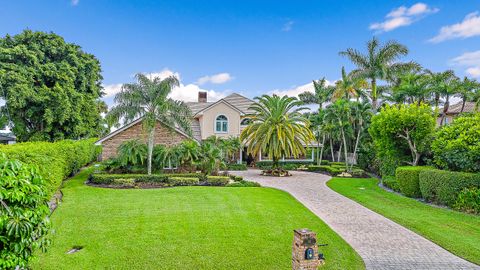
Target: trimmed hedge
(107,179)
(391,183)
(237,167)
(325,168)
(57,160)
(182,181)
(244,183)
(443,187)
(217,180)
(408,180)
(468,200)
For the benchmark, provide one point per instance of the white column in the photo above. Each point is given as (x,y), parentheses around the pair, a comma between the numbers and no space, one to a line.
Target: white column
(313,153)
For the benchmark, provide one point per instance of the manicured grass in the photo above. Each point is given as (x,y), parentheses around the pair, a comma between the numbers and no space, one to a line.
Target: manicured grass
(183,228)
(457,232)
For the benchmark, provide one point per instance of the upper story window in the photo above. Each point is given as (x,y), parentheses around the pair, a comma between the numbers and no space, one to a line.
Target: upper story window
(221,124)
(245,121)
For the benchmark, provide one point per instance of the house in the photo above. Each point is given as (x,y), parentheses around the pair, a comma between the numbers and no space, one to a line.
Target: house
(7,138)
(224,118)
(455,110)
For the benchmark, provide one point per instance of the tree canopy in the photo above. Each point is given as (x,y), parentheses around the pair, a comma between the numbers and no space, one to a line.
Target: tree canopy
(51,88)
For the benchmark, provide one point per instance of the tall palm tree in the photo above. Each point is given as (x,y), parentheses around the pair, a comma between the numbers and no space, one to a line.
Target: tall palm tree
(438,85)
(148,98)
(339,113)
(412,87)
(278,128)
(361,112)
(379,63)
(349,87)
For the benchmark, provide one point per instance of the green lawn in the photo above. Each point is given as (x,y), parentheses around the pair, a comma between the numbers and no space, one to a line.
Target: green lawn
(457,232)
(183,228)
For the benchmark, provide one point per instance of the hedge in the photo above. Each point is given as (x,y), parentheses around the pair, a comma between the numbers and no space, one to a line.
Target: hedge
(57,160)
(244,183)
(391,183)
(107,179)
(182,181)
(217,180)
(443,187)
(408,180)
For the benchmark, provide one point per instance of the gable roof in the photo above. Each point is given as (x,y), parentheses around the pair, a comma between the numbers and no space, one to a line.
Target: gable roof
(194,124)
(235,101)
(457,107)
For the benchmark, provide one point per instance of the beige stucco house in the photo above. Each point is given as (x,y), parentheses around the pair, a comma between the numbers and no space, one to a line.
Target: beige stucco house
(455,110)
(225,118)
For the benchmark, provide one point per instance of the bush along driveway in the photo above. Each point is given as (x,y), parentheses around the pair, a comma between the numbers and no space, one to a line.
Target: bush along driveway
(382,243)
(183,228)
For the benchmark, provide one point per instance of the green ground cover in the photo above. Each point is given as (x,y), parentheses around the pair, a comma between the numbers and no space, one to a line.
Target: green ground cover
(455,231)
(183,228)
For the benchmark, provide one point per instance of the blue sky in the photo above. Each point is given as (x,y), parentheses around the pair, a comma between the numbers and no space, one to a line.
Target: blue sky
(250,47)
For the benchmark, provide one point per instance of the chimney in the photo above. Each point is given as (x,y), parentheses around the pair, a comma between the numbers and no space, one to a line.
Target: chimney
(202,97)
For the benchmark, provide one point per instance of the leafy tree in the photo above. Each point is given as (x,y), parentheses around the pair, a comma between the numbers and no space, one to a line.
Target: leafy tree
(457,145)
(24,222)
(148,98)
(278,128)
(51,88)
(379,63)
(400,128)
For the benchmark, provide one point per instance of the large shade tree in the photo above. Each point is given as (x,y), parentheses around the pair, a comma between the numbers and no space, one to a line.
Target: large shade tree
(278,128)
(51,88)
(148,98)
(380,62)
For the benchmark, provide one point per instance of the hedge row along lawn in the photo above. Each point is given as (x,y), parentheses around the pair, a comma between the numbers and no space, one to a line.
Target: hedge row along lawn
(457,232)
(183,228)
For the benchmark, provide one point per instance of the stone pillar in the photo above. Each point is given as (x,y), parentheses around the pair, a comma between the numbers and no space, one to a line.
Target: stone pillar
(305,250)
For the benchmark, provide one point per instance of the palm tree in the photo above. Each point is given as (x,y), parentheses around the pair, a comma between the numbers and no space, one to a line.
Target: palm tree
(361,112)
(438,85)
(278,128)
(379,63)
(148,98)
(339,114)
(349,87)
(132,152)
(167,156)
(412,87)
(321,95)
(466,90)
(189,153)
(211,158)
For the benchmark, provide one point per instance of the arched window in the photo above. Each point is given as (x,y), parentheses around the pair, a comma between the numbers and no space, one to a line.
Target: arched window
(221,124)
(245,121)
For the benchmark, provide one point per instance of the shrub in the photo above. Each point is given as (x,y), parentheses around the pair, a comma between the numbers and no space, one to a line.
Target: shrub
(236,167)
(358,172)
(326,168)
(391,183)
(55,160)
(457,146)
(217,180)
(468,200)
(408,180)
(182,181)
(265,165)
(443,187)
(336,163)
(244,184)
(24,223)
(124,182)
(107,179)
(236,178)
(324,162)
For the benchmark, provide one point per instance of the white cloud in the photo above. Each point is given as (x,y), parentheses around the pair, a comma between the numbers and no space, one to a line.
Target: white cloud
(295,91)
(288,26)
(75,2)
(470,60)
(215,79)
(403,16)
(469,27)
(184,92)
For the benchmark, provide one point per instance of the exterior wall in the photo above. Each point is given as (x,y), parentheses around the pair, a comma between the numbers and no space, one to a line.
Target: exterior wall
(207,121)
(162,136)
(448,119)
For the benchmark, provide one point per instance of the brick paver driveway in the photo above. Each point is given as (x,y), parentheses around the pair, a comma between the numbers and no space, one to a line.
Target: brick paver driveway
(382,243)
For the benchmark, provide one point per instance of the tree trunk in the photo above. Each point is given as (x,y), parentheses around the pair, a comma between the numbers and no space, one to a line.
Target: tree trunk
(356,145)
(321,151)
(374,94)
(331,150)
(318,146)
(445,110)
(345,151)
(339,152)
(463,104)
(412,146)
(151,137)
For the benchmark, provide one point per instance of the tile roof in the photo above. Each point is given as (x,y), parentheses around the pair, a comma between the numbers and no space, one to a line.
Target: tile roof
(236,100)
(457,107)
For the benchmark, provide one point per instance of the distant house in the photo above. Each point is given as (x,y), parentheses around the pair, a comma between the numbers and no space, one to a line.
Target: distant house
(225,118)
(7,138)
(454,110)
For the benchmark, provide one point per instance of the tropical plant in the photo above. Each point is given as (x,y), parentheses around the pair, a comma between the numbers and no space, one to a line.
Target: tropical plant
(349,87)
(148,98)
(361,114)
(278,128)
(412,88)
(24,222)
(189,153)
(132,153)
(167,156)
(466,90)
(51,88)
(379,63)
(211,158)
(339,114)
(322,93)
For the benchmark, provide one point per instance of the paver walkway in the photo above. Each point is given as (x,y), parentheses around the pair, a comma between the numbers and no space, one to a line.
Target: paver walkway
(382,243)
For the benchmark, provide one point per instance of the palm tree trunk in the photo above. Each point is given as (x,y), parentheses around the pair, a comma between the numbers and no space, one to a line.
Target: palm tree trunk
(356,145)
(321,151)
(339,152)
(445,110)
(374,94)
(331,149)
(463,104)
(345,151)
(151,138)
